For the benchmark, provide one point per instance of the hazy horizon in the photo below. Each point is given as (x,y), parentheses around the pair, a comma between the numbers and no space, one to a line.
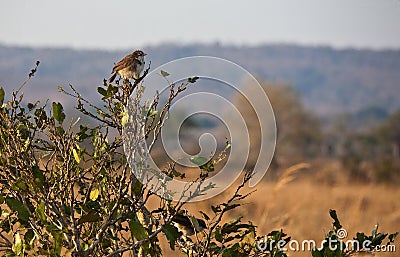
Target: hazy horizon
(103,25)
(216,43)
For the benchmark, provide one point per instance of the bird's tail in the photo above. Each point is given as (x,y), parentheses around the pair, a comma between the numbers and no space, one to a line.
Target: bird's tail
(111,79)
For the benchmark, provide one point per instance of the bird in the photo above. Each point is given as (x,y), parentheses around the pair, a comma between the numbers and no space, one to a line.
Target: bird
(129,67)
(186,226)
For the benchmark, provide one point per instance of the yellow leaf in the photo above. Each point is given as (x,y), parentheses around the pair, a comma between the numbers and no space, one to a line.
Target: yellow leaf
(76,155)
(125,118)
(17,246)
(94,194)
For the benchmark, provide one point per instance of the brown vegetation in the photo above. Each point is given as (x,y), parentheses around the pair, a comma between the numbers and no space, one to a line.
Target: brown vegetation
(298,202)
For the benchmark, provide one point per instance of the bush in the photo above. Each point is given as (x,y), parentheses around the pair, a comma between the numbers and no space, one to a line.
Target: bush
(66,189)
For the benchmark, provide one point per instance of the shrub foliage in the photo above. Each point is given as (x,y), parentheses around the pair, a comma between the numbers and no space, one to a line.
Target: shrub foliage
(66,188)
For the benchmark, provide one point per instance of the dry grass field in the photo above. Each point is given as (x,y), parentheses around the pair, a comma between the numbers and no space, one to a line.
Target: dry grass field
(300,199)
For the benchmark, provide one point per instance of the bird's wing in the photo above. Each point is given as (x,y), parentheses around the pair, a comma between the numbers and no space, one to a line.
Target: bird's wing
(183,220)
(111,79)
(125,62)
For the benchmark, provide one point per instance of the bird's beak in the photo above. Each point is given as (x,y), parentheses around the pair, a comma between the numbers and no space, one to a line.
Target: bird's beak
(144,54)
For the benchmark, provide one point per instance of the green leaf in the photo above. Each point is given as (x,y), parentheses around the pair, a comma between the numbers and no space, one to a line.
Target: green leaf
(193,80)
(94,194)
(51,228)
(102,91)
(137,230)
(137,188)
(205,216)
(280,254)
(57,243)
(38,175)
(198,160)
(316,253)
(91,216)
(393,236)
(377,240)
(360,237)
(5,225)
(92,205)
(40,212)
(195,223)
(231,226)
(164,73)
(172,234)
(29,237)
(58,113)
(231,206)
(203,163)
(218,235)
(235,220)
(2,93)
(17,206)
(31,106)
(21,185)
(216,209)
(111,90)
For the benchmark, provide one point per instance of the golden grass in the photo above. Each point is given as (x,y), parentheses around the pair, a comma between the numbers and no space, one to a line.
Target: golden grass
(299,202)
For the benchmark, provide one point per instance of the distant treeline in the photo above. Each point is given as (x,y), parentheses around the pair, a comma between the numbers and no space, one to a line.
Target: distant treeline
(329,81)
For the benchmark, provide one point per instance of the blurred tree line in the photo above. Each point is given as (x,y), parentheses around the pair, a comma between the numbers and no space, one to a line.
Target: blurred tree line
(370,154)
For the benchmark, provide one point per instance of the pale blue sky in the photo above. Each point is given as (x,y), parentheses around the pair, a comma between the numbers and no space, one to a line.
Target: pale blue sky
(130,24)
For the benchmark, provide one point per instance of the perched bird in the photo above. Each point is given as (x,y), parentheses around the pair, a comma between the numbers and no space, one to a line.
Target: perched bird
(186,226)
(129,67)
